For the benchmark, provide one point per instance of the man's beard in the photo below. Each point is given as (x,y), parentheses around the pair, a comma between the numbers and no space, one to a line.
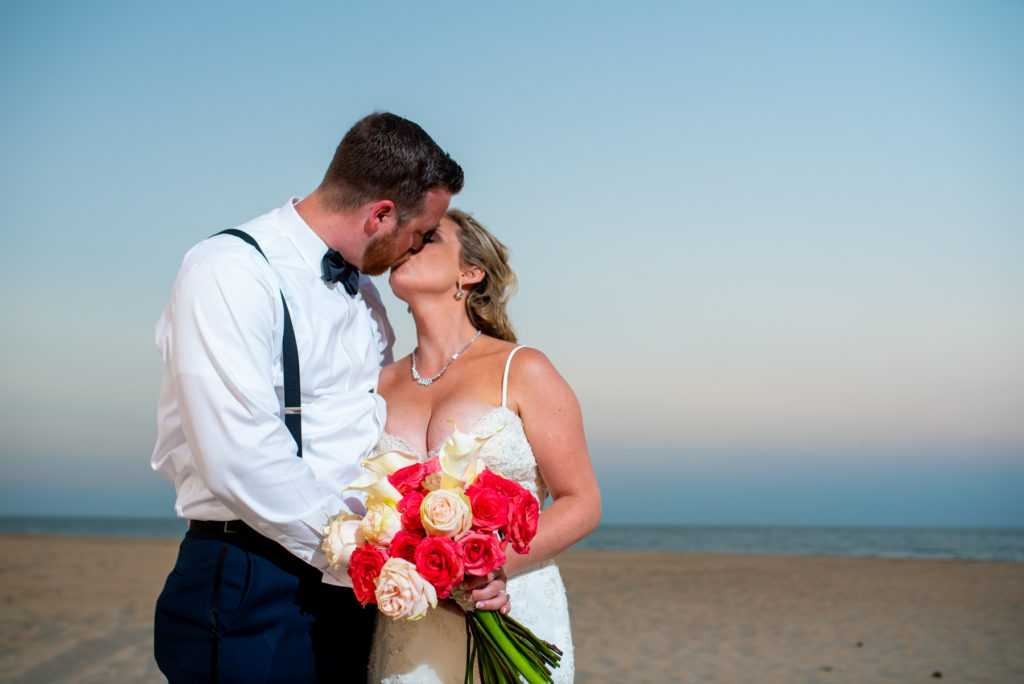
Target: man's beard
(379,254)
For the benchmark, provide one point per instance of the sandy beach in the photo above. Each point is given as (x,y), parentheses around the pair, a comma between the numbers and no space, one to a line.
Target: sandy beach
(79,609)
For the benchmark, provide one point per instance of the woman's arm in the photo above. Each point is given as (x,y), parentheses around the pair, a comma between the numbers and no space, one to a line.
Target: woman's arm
(554,426)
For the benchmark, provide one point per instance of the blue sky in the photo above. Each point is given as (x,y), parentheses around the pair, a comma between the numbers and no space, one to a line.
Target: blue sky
(776,248)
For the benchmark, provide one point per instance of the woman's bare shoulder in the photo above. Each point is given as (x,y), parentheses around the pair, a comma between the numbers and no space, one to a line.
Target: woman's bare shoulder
(531,362)
(533,380)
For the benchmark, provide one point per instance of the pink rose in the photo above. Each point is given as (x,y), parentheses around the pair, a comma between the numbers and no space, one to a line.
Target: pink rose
(404,545)
(490,507)
(363,569)
(522,521)
(409,478)
(409,507)
(504,485)
(439,560)
(481,552)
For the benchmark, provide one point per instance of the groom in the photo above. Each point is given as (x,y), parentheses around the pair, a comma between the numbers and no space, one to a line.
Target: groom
(250,598)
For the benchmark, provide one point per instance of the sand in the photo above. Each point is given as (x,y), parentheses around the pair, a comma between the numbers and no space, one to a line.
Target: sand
(791,619)
(80,610)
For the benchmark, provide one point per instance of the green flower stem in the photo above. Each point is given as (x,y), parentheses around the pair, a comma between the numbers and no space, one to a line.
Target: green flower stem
(538,649)
(493,667)
(491,624)
(471,652)
(494,658)
(513,626)
(528,649)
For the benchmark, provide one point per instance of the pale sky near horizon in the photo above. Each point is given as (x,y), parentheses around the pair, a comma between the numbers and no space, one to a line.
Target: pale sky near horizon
(776,248)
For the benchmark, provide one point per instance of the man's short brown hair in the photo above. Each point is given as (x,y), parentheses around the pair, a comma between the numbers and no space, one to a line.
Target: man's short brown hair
(386,157)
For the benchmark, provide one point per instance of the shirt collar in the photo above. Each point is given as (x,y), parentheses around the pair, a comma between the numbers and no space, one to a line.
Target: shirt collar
(309,244)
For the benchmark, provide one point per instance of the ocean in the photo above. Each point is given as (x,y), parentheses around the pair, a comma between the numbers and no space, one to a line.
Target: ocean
(874,542)
(878,542)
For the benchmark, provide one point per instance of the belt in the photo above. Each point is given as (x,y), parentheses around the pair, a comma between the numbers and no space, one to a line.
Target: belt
(220,528)
(237,533)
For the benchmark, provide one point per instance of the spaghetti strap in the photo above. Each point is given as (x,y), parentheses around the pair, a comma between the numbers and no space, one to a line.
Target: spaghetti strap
(504,380)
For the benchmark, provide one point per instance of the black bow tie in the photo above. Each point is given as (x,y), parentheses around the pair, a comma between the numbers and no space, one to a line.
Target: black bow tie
(336,269)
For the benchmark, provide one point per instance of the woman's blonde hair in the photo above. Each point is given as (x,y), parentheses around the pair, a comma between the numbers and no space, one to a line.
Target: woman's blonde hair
(486,300)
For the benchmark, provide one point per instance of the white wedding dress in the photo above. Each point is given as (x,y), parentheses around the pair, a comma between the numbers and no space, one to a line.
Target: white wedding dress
(433,650)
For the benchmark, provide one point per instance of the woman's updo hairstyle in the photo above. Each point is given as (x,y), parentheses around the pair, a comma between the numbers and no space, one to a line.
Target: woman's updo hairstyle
(486,300)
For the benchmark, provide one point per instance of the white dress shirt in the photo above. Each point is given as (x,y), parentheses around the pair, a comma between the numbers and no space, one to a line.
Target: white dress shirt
(221,436)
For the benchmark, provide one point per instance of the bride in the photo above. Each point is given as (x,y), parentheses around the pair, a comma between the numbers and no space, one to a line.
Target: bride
(467,369)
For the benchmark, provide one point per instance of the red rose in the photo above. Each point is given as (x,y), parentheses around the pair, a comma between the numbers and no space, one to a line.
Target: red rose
(433,465)
(404,544)
(439,561)
(502,484)
(409,478)
(363,569)
(522,522)
(490,508)
(481,552)
(409,507)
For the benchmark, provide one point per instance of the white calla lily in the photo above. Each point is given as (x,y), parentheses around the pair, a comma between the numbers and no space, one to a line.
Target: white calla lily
(377,485)
(389,462)
(458,458)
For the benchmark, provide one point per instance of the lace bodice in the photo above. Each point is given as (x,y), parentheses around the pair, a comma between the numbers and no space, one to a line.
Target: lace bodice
(507,453)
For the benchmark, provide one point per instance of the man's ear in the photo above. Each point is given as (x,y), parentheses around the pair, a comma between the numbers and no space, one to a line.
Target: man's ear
(472,275)
(383,216)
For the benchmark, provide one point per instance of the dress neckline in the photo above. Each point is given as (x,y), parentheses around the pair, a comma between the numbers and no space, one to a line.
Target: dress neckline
(504,407)
(415,452)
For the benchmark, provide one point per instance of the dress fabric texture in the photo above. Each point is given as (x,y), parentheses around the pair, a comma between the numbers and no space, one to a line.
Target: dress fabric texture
(433,650)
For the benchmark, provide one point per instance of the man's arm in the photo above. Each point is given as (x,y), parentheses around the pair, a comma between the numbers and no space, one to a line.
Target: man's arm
(225,323)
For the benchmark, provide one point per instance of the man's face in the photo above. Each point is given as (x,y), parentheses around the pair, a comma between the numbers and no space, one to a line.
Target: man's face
(384,249)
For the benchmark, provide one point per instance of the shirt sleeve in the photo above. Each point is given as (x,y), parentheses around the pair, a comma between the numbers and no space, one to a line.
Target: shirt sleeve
(225,331)
(385,333)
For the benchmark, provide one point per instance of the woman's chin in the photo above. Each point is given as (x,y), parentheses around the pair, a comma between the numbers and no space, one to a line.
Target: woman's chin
(395,283)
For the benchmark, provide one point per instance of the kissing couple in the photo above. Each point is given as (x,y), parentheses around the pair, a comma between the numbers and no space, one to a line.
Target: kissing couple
(278,383)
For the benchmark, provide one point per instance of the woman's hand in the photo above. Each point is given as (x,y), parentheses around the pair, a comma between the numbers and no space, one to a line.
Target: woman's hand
(489,592)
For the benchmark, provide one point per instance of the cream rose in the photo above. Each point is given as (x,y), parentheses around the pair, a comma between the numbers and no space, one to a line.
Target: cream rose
(446,512)
(402,593)
(381,522)
(342,535)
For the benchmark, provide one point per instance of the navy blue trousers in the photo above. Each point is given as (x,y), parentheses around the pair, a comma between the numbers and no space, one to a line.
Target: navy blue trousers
(240,608)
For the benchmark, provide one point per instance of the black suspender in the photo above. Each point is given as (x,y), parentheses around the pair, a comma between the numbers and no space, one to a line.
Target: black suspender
(289,358)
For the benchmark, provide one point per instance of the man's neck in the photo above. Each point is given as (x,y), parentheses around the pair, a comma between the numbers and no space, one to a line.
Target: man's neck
(339,230)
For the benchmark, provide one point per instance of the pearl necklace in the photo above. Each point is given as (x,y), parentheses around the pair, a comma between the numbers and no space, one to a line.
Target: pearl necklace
(430,381)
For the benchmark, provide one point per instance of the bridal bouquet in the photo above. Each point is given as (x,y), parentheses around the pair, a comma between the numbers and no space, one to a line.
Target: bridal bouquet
(427,526)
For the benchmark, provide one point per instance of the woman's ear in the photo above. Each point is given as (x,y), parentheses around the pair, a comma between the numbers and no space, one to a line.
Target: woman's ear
(472,275)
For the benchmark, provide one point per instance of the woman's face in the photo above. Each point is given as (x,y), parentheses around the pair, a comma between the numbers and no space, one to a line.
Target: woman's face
(435,268)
